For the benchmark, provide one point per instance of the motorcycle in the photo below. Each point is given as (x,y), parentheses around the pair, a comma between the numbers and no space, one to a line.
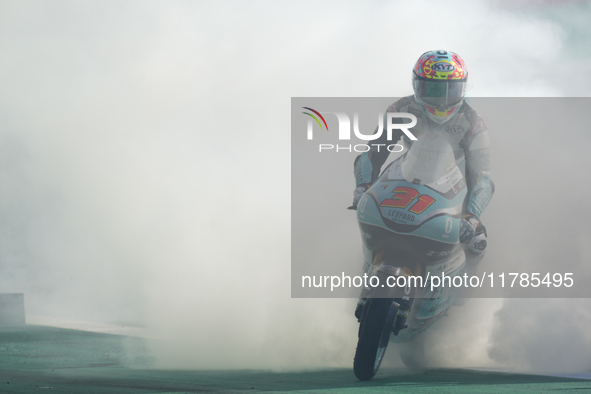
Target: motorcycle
(409,221)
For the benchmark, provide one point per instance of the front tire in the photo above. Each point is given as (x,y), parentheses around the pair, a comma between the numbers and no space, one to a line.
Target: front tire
(375,328)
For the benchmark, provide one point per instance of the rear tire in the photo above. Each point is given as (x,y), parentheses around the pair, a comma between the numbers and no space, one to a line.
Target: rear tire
(375,328)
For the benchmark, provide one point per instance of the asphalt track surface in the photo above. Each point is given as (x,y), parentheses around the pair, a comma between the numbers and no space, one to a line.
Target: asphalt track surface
(37,359)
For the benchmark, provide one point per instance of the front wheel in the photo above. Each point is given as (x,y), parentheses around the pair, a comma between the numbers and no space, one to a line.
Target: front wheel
(374,334)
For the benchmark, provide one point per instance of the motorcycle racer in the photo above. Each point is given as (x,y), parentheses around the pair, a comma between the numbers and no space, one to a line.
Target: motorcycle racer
(439,82)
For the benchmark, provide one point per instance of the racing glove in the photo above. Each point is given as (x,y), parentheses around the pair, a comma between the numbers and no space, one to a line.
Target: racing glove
(358,193)
(468,228)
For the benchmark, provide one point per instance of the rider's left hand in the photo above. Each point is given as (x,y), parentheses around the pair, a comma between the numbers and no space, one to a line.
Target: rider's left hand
(468,228)
(358,193)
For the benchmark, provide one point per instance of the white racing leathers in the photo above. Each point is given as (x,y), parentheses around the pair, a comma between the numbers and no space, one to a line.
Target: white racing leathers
(468,137)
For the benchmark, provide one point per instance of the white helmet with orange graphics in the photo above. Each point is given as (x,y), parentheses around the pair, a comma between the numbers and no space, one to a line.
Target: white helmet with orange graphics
(439,82)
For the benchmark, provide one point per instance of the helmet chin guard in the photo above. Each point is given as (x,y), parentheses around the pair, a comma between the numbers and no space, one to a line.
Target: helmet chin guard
(435,115)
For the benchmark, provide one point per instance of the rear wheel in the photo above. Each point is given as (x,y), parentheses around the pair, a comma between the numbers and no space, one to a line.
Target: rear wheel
(374,334)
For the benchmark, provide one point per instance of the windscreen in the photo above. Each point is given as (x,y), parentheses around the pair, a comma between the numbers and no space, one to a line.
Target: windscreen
(428,160)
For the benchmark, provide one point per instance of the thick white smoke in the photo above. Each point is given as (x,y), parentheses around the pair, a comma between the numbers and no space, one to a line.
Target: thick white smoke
(145,163)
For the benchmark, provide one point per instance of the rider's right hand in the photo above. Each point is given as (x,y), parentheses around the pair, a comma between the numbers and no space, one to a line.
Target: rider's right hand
(358,193)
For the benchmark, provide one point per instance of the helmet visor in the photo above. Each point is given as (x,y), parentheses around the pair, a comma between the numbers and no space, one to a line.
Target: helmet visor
(441,94)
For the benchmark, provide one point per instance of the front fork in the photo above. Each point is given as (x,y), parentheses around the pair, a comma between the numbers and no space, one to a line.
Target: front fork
(402,293)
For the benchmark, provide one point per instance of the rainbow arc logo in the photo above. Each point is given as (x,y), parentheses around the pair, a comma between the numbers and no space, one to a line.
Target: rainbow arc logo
(315,118)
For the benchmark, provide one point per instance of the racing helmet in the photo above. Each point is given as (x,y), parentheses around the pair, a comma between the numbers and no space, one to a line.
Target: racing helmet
(439,81)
